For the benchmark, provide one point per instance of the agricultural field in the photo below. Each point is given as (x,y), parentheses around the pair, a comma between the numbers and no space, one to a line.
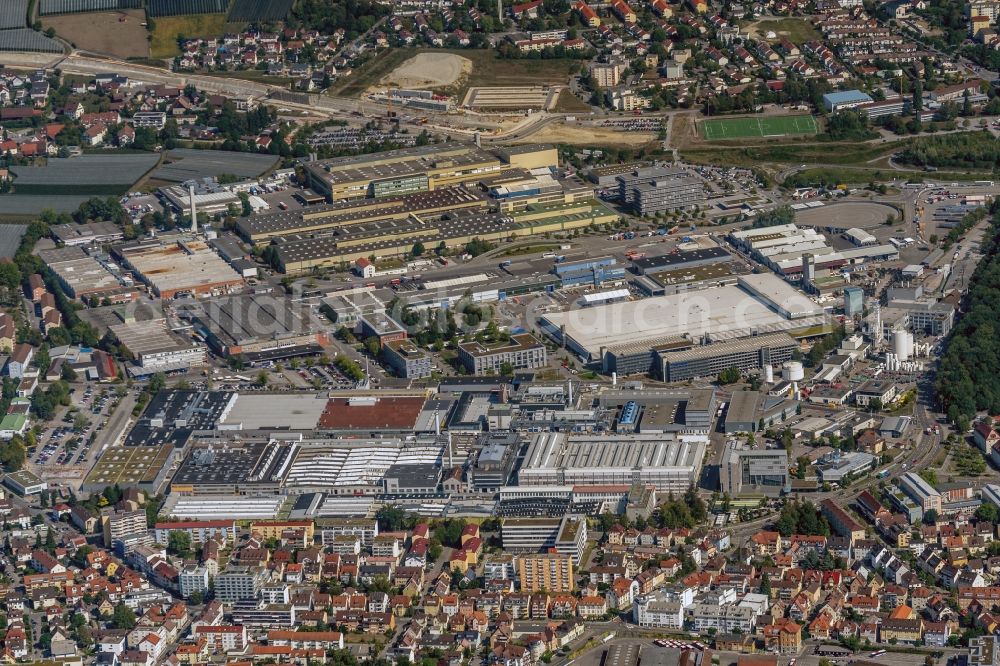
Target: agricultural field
(26,39)
(167,29)
(10,239)
(120,33)
(253,11)
(92,175)
(28,206)
(50,7)
(13,14)
(715,129)
(184,164)
(158,8)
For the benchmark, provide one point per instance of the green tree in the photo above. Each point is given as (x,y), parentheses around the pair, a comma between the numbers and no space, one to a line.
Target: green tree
(775,217)
(123,618)
(393,518)
(450,532)
(156,383)
(67,373)
(988,512)
(729,376)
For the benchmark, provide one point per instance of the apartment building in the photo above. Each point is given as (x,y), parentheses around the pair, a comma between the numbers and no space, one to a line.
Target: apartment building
(568,535)
(650,611)
(606,74)
(192,578)
(199,531)
(331,528)
(552,572)
(117,525)
(223,638)
(723,619)
(921,492)
(239,583)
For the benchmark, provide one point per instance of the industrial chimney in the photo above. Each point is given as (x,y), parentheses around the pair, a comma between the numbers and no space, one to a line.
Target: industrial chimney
(194,210)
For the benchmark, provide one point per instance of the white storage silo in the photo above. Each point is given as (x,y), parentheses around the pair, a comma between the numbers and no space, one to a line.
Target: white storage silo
(792,371)
(902,345)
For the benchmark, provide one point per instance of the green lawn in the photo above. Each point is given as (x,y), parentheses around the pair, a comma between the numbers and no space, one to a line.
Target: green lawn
(715,129)
(797,30)
(168,30)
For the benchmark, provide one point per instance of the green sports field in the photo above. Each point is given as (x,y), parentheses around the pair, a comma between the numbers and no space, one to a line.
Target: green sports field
(737,128)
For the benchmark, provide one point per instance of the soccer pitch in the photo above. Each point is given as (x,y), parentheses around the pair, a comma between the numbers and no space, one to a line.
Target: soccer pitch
(736,128)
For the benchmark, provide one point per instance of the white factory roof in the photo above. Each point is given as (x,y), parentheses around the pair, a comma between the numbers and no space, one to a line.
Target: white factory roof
(860,236)
(334,505)
(795,238)
(149,337)
(765,231)
(457,281)
(272,411)
(815,246)
(725,312)
(870,251)
(217,507)
(603,296)
(599,459)
(786,261)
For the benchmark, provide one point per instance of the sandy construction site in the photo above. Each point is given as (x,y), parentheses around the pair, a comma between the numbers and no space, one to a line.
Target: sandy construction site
(428,70)
(586,135)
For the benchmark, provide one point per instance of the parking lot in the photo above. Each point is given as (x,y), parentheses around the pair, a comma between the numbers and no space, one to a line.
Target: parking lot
(69,443)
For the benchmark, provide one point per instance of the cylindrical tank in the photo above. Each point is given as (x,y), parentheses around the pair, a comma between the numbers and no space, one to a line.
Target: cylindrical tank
(768,374)
(902,345)
(793,372)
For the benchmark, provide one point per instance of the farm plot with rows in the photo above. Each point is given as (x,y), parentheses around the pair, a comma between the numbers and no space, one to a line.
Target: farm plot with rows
(184,7)
(187,164)
(26,39)
(13,14)
(29,205)
(10,239)
(252,11)
(94,175)
(50,7)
